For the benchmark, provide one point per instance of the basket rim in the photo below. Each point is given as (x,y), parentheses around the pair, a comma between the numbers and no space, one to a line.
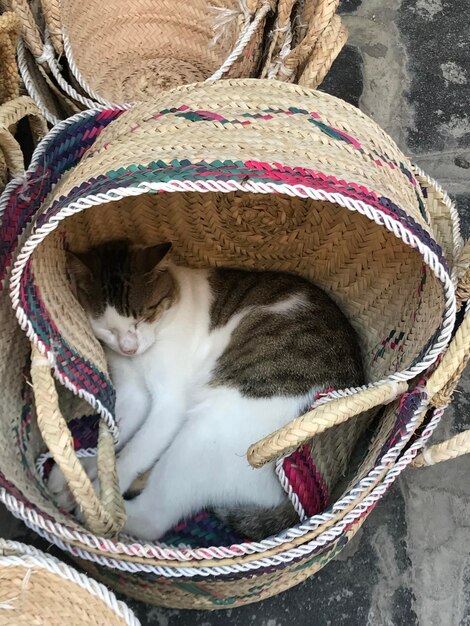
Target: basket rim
(36,158)
(200,555)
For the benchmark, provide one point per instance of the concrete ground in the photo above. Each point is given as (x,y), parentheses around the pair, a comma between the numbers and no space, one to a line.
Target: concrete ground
(407,66)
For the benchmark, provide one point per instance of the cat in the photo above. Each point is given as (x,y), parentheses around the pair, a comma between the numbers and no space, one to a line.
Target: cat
(205,363)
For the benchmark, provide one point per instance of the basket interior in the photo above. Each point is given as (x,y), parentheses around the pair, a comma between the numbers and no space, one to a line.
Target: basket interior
(388,293)
(393,300)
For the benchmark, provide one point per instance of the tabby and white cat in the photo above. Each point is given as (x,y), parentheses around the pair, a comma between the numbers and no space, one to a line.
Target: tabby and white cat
(205,363)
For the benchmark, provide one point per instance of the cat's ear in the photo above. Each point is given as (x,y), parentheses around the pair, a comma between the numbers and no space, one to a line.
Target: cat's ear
(154,257)
(79,272)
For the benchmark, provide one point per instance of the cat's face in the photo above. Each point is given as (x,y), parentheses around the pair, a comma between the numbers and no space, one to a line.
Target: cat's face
(124,290)
(129,336)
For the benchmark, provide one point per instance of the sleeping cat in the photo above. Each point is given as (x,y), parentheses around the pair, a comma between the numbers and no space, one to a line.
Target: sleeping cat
(205,363)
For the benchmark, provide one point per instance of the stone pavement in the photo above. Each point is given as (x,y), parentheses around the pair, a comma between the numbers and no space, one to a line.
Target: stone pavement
(407,65)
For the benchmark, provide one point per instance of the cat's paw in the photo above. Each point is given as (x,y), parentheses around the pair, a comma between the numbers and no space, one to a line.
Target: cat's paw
(79,516)
(59,489)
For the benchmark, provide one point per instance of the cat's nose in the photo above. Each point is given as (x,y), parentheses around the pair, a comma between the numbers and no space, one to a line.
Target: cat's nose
(128,344)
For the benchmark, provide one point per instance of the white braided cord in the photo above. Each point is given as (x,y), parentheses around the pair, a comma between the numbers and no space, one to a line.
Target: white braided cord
(77,74)
(48,56)
(30,86)
(42,459)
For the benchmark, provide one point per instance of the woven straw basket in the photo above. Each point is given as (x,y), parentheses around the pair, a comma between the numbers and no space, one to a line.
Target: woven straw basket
(36,588)
(129,51)
(237,173)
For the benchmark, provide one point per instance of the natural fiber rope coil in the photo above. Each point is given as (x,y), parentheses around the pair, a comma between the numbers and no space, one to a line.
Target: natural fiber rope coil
(9,80)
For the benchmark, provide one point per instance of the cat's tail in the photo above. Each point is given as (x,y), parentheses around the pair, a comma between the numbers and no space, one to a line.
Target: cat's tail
(257,523)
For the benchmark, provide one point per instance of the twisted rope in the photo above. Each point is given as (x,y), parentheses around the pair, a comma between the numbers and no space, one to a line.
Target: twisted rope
(9,80)
(243,41)
(322,37)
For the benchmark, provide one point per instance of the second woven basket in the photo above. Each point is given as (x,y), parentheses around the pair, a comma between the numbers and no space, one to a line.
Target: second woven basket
(130,51)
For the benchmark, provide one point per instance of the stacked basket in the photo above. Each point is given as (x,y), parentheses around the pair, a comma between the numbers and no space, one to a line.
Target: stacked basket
(119,51)
(36,588)
(238,173)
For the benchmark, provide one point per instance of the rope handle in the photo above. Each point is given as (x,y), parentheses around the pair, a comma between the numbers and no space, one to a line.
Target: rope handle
(303,47)
(329,44)
(450,449)
(105,516)
(440,384)
(10,114)
(51,13)
(321,418)
(444,380)
(316,17)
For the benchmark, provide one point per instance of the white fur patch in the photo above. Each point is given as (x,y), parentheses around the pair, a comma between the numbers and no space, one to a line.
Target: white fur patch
(292,303)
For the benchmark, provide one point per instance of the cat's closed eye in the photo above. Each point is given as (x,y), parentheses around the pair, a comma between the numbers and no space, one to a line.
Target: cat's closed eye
(106,335)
